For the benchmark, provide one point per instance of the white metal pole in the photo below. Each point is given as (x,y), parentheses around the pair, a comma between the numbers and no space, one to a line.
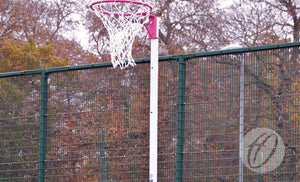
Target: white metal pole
(153,107)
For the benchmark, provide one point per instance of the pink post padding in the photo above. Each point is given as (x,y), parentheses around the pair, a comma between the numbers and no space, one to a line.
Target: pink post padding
(152,27)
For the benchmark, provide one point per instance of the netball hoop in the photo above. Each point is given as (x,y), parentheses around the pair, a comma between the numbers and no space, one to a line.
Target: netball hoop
(124,19)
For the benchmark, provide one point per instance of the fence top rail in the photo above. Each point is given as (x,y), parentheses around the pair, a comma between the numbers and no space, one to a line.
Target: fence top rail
(162,58)
(242,50)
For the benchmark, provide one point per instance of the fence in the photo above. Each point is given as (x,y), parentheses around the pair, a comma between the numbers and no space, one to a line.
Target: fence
(91,122)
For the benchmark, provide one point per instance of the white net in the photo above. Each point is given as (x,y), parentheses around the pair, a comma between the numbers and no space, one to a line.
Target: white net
(123,21)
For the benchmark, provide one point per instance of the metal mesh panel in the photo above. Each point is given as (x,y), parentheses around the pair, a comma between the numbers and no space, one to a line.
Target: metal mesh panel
(96,107)
(212,115)
(272,101)
(91,122)
(19,128)
(167,120)
(92,108)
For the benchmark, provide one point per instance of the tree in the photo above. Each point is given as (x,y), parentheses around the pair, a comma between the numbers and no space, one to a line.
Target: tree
(190,26)
(288,16)
(251,25)
(75,52)
(8,20)
(27,55)
(185,26)
(44,21)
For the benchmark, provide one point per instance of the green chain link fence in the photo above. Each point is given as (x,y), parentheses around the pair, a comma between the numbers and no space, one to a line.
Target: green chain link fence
(91,122)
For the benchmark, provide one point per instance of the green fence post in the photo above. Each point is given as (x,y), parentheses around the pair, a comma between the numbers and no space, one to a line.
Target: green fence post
(43,126)
(180,119)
